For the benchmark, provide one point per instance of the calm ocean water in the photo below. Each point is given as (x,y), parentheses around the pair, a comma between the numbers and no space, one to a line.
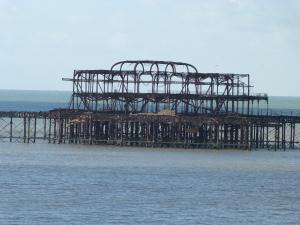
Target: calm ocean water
(18,100)
(74,184)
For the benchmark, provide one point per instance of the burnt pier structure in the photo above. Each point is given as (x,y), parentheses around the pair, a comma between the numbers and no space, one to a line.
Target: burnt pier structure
(158,104)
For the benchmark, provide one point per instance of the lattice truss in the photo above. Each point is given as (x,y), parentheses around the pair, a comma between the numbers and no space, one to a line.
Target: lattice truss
(22,130)
(297,134)
(152,86)
(4,128)
(291,133)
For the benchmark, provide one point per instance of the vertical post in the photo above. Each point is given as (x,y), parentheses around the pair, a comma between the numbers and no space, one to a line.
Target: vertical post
(267,134)
(73,94)
(65,130)
(225,140)
(24,128)
(257,136)
(28,131)
(217,135)
(10,130)
(54,130)
(211,92)
(153,132)
(238,93)
(185,138)
(121,133)
(34,129)
(91,130)
(45,127)
(248,103)
(283,136)
(276,137)
(60,129)
(97,84)
(49,135)
(293,136)
(251,136)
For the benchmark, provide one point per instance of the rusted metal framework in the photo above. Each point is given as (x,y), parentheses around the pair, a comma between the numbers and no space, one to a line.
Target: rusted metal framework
(152,86)
(157,104)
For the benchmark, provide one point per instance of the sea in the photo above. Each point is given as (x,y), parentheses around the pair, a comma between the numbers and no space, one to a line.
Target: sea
(80,184)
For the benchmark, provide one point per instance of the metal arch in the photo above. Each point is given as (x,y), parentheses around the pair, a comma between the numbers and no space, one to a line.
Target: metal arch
(150,62)
(172,66)
(135,68)
(181,86)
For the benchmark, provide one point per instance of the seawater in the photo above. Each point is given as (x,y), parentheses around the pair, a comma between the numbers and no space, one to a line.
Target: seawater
(65,184)
(81,184)
(23,100)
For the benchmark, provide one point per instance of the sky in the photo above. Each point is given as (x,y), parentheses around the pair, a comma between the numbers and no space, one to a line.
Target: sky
(43,41)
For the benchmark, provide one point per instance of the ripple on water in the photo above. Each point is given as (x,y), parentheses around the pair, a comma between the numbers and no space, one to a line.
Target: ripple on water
(64,184)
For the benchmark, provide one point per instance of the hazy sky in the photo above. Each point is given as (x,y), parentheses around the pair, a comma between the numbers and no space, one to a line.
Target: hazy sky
(42,41)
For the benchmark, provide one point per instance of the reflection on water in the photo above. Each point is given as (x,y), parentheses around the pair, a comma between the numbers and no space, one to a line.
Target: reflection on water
(65,184)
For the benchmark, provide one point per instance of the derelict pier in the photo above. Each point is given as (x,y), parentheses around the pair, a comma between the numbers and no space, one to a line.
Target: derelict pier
(158,104)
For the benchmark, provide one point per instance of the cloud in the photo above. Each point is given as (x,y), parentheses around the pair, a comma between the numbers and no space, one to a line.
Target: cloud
(237,2)
(60,35)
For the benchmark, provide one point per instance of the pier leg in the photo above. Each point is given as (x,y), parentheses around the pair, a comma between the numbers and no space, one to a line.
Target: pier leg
(10,129)
(24,129)
(34,130)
